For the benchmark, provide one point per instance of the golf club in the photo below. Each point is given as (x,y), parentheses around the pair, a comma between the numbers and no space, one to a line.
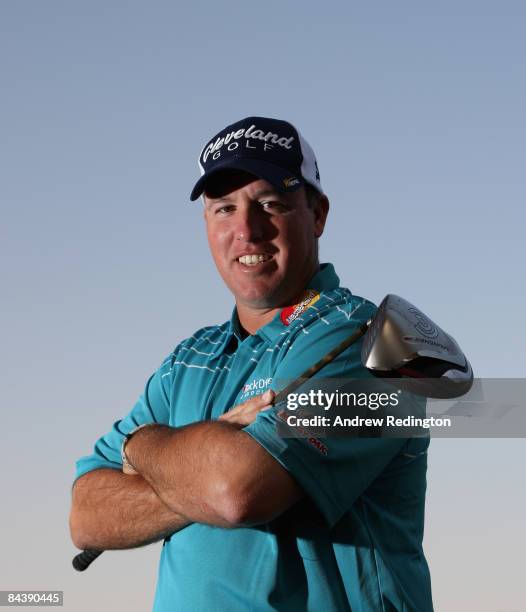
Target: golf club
(403,343)
(399,342)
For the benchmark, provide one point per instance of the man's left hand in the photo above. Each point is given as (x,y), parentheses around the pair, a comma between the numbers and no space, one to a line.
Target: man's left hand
(243,414)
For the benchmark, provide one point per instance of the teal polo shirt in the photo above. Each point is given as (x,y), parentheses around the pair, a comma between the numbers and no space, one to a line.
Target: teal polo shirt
(355,542)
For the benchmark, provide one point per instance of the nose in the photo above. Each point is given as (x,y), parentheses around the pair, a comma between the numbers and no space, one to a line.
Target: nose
(248,225)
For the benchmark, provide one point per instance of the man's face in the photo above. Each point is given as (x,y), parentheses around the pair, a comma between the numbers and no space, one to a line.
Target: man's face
(264,243)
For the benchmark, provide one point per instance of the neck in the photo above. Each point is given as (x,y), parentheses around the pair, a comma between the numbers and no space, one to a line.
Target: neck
(253,318)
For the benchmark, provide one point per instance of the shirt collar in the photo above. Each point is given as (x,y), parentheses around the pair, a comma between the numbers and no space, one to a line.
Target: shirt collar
(233,330)
(325,279)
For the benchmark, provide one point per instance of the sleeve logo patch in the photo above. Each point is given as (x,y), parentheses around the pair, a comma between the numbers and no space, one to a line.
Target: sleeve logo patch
(291,313)
(315,442)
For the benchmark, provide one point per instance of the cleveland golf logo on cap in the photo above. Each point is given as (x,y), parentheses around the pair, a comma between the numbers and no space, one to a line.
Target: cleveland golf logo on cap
(270,149)
(232,141)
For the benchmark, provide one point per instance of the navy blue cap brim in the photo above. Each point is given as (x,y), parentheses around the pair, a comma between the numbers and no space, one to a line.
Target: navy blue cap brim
(281,178)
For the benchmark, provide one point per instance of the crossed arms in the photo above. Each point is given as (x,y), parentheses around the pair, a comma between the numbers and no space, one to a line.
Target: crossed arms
(210,472)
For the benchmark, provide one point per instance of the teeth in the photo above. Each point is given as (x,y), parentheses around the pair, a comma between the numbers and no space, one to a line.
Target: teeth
(252,260)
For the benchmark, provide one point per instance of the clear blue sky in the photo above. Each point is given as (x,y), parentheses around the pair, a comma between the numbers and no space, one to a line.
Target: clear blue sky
(416,113)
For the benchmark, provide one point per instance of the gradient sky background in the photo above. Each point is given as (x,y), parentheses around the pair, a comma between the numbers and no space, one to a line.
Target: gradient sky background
(416,113)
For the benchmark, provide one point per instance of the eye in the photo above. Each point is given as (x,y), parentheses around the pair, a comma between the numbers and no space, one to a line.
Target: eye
(273,206)
(224,209)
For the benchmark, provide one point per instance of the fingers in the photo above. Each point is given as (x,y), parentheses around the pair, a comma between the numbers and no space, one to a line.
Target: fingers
(127,469)
(257,402)
(266,398)
(245,413)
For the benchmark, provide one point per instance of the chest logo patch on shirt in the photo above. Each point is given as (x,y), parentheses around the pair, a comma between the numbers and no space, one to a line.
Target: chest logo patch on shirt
(257,386)
(291,313)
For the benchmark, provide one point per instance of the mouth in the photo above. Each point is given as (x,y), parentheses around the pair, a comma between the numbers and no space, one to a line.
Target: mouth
(253,260)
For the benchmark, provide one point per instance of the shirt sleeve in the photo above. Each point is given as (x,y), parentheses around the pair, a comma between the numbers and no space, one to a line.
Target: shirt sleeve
(153,406)
(333,471)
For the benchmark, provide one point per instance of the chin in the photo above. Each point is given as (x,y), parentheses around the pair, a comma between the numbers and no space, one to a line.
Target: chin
(258,299)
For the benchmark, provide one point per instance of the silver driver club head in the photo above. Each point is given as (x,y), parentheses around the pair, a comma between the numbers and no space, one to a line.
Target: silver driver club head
(402,342)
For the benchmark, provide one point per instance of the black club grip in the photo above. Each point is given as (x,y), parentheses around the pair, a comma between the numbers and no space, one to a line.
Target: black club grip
(84,559)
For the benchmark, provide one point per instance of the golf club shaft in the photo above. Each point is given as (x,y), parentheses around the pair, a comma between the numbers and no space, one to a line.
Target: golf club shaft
(322,362)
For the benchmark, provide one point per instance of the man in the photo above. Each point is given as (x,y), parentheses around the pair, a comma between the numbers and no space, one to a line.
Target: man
(252,520)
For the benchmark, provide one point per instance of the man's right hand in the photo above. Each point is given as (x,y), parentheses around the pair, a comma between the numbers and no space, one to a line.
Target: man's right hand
(243,414)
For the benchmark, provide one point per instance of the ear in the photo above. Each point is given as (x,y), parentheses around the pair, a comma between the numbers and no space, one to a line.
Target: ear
(320,210)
